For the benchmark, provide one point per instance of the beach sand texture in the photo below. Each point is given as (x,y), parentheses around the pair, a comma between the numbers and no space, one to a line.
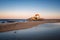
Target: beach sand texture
(19,25)
(22,25)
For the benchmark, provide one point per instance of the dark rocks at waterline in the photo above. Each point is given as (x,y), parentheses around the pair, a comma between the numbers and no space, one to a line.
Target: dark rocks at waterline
(10,21)
(7,21)
(2,21)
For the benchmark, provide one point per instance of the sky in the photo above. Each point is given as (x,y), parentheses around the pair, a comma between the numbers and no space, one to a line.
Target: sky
(23,9)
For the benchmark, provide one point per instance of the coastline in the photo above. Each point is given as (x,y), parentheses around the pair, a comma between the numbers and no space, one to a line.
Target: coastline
(22,25)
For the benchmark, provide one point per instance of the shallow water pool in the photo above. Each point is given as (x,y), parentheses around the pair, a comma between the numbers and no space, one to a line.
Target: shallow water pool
(40,32)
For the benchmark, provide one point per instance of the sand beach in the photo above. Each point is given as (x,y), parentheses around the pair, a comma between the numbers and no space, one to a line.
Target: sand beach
(23,25)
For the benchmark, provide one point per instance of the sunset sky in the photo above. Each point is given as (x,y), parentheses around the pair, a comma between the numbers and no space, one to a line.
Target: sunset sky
(22,9)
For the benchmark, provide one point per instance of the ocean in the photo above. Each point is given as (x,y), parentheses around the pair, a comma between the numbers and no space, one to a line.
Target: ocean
(47,31)
(12,20)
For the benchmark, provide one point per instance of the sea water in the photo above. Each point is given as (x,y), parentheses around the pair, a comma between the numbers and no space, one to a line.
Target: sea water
(40,32)
(13,20)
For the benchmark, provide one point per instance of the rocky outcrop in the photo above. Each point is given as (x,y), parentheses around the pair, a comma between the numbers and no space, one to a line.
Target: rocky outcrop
(36,18)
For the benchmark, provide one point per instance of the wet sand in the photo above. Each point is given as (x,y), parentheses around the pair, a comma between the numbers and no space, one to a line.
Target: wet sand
(22,25)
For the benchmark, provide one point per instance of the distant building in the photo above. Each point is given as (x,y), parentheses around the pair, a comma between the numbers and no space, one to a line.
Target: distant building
(36,17)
